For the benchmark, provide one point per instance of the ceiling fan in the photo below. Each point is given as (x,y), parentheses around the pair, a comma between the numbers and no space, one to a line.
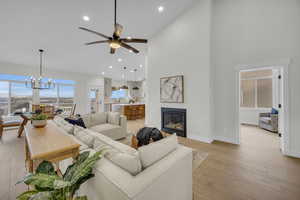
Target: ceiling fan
(116,41)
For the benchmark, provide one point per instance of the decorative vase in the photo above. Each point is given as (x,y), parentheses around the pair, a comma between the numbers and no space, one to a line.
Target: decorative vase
(39,123)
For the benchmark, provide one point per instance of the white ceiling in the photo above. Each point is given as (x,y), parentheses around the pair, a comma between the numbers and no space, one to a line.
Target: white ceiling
(28,25)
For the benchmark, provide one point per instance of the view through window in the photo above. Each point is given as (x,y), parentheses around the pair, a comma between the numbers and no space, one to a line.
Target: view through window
(256,89)
(16,97)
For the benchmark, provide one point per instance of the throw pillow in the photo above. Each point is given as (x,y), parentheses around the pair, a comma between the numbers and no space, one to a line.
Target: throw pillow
(69,128)
(114,118)
(84,136)
(122,155)
(98,118)
(78,122)
(128,162)
(77,129)
(274,111)
(155,151)
(87,120)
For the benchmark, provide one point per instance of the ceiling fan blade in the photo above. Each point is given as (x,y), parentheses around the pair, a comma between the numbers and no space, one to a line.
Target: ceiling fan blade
(97,33)
(129,47)
(134,40)
(112,50)
(98,42)
(118,30)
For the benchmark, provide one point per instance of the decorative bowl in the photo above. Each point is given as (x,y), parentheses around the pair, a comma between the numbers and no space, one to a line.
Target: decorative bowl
(39,123)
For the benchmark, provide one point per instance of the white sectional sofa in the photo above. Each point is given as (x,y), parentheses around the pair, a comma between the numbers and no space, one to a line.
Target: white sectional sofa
(111,124)
(158,171)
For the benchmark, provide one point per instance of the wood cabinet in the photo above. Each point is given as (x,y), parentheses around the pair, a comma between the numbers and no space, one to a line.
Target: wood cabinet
(133,112)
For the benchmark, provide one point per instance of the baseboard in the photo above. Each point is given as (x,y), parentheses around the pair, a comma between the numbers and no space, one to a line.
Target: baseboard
(293,154)
(245,124)
(200,138)
(225,139)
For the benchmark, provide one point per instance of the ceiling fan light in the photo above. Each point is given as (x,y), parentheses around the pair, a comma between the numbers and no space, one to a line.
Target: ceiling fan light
(115,45)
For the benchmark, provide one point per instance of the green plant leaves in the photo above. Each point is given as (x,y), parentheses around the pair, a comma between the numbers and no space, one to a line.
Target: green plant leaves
(43,196)
(85,167)
(43,181)
(45,167)
(49,186)
(26,195)
(59,184)
(72,168)
(39,117)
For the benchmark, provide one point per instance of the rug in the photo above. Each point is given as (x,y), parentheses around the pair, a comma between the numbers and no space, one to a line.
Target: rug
(198,155)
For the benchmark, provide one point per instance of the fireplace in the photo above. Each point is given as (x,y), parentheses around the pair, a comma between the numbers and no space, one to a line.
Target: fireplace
(173,120)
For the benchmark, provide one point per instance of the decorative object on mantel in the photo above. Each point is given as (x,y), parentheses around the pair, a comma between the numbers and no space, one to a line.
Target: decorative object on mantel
(47,184)
(171,89)
(124,87)
(37,83)
(135,87)
(116,41)
(39,121)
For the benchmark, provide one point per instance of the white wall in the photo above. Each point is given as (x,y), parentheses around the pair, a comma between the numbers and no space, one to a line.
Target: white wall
(251,115)
(82,81)
(183,48)
(241,32)
(251,32)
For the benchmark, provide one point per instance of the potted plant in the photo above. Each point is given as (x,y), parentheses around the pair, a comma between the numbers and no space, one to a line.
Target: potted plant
(49,186)
(39,120)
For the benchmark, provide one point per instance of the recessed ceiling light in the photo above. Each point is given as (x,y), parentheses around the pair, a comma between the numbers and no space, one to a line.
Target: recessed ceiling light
(130,51)
(141,66)
(129,38)
(160,9)
(110,67)
(103,73)
(86,18)
(120,59)
(132,71)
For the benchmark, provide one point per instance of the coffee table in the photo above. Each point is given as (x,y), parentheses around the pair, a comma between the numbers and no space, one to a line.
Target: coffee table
(48,143)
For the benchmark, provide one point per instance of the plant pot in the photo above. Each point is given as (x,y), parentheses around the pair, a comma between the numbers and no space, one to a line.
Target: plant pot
(39,123)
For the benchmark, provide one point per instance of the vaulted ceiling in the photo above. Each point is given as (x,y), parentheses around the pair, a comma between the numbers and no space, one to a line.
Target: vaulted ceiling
(27,26)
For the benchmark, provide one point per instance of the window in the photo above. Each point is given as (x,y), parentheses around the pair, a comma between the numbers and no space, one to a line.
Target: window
(256,89)
(15,96)
(49,96)
(66,95)
(248,93)
(264,93)
(118,94)
(4,98)
(21,97)
(62,95)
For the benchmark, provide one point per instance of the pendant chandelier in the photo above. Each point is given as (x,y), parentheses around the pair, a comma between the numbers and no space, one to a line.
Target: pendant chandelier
(135,87)
(39,83)
(124,87)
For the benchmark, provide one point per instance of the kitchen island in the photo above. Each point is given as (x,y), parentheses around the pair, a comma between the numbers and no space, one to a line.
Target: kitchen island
(131,111)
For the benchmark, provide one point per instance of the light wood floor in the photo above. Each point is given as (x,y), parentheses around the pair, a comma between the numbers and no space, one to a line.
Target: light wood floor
(254,170)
